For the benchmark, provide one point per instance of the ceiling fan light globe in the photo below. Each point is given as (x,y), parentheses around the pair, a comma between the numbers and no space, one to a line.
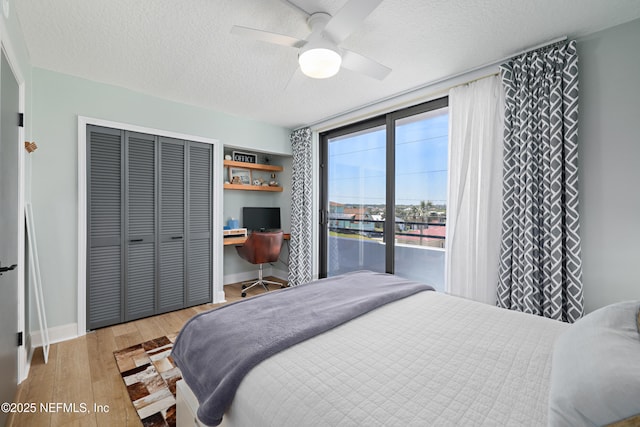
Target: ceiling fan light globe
(320,63)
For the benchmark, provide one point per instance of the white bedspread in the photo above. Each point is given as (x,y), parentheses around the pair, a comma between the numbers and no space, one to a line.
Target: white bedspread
(427,360)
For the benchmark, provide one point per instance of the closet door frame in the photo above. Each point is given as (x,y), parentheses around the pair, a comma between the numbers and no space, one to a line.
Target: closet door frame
(216,207)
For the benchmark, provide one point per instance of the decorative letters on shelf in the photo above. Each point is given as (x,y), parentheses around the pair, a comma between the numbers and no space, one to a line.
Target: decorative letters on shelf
(239,156)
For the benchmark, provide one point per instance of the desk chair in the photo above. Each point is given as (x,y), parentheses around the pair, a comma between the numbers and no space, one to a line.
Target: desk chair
(261,248)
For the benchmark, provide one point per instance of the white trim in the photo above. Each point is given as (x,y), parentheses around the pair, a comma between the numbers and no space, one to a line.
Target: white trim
(5,45)
(419,94)
(218,213)
(245,276)
(280,274)
(216,285)
(428,92)
(56,334)
(268,270)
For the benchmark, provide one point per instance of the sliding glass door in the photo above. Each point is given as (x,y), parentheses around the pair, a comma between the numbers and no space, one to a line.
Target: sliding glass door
(356,194)
(421,157)
(383,195)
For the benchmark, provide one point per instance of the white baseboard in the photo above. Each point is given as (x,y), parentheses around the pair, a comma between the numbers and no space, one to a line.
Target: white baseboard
(56,334)
(219,297)
(245,276)
(280,274)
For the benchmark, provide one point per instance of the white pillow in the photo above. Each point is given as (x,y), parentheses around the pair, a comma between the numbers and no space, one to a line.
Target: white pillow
(595,374)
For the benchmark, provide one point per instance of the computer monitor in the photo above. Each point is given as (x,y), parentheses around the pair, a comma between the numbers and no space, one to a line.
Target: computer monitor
(261,219)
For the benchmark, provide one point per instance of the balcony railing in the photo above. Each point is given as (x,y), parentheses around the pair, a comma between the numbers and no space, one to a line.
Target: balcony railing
(359,244)
(408,232)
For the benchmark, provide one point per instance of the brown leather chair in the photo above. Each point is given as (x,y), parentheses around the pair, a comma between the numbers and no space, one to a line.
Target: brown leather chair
(261,248)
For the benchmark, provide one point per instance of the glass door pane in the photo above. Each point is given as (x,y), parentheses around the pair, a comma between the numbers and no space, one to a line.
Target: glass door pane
(356,188)
(421,162)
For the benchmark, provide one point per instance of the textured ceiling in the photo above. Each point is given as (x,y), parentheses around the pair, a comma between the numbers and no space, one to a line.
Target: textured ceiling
(182,50)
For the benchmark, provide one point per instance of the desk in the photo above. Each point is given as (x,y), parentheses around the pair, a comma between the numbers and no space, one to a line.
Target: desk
(237,241)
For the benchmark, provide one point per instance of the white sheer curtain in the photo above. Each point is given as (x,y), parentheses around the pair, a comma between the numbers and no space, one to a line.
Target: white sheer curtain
(476,113)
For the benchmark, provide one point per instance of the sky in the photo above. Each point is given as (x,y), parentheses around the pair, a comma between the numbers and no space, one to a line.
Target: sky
(357,168)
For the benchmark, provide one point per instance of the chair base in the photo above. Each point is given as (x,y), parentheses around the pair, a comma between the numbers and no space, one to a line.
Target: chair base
(263,282)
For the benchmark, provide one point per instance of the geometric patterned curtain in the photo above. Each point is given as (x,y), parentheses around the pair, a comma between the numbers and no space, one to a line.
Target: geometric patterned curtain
(540,269)
(300,245)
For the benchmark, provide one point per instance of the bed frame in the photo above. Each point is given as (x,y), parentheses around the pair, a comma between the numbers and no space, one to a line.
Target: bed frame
(186,406)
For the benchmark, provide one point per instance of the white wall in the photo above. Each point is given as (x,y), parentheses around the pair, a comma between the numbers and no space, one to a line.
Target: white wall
(58,100)
(609,157)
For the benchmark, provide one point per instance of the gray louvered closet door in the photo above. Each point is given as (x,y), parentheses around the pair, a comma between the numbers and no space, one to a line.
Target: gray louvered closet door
(173,209)
(140,220)
(105,226)
(199,223)
(149,225)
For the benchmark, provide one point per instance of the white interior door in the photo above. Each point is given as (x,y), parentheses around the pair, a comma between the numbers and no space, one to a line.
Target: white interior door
(9,230)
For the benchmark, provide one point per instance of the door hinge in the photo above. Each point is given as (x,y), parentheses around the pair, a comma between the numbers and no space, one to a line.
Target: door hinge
(20,340)
(21,120)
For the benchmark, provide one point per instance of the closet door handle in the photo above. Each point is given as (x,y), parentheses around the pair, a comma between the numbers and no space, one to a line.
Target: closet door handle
(136,240)
(176,237)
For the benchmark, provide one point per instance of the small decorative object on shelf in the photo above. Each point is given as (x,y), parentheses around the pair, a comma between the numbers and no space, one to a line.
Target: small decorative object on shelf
(239,156)
(240,176)
(252,176)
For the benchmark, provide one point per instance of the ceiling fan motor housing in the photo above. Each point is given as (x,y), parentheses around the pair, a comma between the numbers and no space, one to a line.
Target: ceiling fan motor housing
(320,57)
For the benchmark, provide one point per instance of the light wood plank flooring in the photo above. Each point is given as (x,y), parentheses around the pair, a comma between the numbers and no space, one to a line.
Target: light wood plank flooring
(83,371)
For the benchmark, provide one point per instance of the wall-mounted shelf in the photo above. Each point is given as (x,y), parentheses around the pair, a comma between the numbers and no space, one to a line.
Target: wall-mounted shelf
(256,167)
(252,187)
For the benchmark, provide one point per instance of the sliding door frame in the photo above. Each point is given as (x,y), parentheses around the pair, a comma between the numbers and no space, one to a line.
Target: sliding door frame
(389,121)
(324,180)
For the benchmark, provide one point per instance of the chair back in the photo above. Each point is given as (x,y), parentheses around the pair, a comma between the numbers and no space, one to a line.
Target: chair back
(261,247)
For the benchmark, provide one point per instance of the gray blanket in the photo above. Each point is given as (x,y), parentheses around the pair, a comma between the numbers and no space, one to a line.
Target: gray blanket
(216,349)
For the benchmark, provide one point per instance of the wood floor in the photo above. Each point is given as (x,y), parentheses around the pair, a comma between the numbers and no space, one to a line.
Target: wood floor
(83,372)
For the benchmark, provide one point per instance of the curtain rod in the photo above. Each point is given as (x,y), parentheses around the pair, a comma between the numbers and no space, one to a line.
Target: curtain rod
(545,45)
(432,83)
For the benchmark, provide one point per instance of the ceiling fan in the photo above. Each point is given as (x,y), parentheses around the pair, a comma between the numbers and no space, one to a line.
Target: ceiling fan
(320,55)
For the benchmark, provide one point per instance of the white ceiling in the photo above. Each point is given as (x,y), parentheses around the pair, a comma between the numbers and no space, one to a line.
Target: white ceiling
(182,50)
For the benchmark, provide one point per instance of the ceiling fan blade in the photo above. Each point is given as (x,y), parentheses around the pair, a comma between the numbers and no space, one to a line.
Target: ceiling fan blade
(267,36)
(361,64)
(349,17)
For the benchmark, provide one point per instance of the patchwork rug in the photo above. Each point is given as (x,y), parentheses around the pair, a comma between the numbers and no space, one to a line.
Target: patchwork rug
(150,375)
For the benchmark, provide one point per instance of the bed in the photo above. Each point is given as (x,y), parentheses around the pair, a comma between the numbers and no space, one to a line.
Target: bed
(425,358)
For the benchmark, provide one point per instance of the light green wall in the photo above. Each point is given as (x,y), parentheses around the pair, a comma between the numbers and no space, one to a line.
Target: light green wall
(609,158)
(58,100)
(609,153)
